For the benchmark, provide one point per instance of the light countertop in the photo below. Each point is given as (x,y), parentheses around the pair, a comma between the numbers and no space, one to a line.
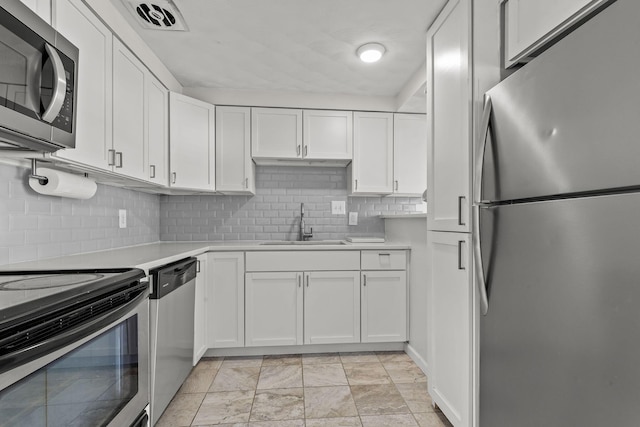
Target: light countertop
(153,255)
(404,216)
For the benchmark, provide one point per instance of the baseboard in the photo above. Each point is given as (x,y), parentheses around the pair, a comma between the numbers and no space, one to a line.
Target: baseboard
(303,349)
(417,358)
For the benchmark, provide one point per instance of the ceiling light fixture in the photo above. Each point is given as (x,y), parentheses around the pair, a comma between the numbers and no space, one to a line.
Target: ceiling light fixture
(370,52)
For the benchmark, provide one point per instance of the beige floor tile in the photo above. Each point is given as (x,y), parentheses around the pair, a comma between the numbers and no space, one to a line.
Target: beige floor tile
(225,407)
(359,357)
(328,402)
(278,404)
(287,423)
(282,359)
(404,372)
(320,358)
(199,380)
(285,376)
(210,363)
(224,425)
(393,356)
(181,410)
(324,375)
(334,422)
(235,378)
(242,361)
(366,373)
(403,420)
(432,419)
(416,396)
(378,400)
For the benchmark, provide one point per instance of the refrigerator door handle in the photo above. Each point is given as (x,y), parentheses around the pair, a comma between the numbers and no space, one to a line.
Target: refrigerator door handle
(479,155)
(479,267)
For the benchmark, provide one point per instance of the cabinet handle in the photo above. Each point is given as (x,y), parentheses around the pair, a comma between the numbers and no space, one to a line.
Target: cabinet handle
(364,280)
(460,199)
(396,185)
(152,171)
(356,184)
(299,281)
(297,150)
(198,266)
(306,150)
(118,159)
(307,280)
(111,161)
(246,183)
(460,266)
(173,177)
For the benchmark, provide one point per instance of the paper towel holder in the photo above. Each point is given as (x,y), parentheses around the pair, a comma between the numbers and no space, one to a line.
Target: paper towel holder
(34,173)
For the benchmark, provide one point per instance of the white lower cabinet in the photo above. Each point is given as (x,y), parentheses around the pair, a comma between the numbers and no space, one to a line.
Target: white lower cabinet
(200,309)
(225,299)
(331,307)
(273,306)
(384,306)
(450,296)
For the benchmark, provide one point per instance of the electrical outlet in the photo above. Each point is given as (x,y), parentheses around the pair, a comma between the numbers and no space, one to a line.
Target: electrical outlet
(353,218)
(122,218)
(338,207)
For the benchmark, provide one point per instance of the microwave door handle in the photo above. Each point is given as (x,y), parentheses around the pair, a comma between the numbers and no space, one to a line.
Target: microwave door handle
(59,86)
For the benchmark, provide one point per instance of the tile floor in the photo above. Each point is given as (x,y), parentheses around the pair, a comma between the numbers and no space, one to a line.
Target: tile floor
(313,390)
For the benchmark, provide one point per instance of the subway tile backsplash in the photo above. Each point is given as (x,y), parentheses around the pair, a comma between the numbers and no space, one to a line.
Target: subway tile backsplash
(33,226)
(274,212)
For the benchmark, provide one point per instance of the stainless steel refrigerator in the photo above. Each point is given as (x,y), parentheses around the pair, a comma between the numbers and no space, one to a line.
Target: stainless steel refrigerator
(558,233)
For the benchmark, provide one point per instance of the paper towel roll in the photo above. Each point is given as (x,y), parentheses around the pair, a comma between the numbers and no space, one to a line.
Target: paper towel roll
(63,184)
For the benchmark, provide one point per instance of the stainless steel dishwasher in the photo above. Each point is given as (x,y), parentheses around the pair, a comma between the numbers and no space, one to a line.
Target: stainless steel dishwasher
(171,308)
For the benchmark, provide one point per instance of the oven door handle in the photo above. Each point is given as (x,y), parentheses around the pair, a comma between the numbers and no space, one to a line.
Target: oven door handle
(11,359)
(59,85)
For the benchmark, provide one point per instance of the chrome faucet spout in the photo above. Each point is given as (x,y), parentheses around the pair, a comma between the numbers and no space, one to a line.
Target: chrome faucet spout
(303,234)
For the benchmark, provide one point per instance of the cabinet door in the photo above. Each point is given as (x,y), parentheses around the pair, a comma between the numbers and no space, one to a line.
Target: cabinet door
(276,133)
(191,143)
(273,307)
(157,123)
(449,286)
(225,300)
(449,119)
(94,113)
(384,306)
(41,7)
(327,134)
(532,24)
(235,170)
(409,154)
(128,113)
(331,307)
(372,165)
(200,310)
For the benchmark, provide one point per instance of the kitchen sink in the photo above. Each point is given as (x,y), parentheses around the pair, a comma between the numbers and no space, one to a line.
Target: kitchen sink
(305,243)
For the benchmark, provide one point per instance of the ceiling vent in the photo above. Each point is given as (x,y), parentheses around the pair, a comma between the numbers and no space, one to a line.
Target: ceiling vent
(157,15)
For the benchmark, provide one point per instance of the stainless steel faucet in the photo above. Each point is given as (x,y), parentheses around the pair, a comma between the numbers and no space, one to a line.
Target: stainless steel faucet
(303,234)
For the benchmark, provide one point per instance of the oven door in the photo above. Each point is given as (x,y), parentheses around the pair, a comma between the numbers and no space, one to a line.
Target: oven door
(100,380)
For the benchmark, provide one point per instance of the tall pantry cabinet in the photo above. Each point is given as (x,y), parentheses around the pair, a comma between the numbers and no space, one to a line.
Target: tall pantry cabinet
(463,62)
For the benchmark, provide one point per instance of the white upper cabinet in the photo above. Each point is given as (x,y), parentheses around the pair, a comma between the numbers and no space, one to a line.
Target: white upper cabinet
(129,132)
(235,170)
(191,143)
(276,133)
(372,165)
(41,7)
(157,131)
(409,154)
(327,135)
(449,90)
(94,109)
(530,25)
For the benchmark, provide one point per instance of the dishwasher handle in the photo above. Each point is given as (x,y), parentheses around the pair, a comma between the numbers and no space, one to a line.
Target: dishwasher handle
(170,277)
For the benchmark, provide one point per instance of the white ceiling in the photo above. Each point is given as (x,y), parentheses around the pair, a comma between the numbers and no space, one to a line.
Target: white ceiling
(295,45)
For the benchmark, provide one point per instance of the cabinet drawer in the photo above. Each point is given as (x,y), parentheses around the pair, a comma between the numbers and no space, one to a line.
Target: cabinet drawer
(303,260)
(384,260)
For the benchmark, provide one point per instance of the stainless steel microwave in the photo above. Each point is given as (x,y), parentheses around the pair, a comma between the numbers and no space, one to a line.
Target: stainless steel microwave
(38,75)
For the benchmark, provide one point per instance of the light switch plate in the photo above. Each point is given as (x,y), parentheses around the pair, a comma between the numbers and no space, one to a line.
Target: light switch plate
(353,218)
(338,207)
(122,218)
